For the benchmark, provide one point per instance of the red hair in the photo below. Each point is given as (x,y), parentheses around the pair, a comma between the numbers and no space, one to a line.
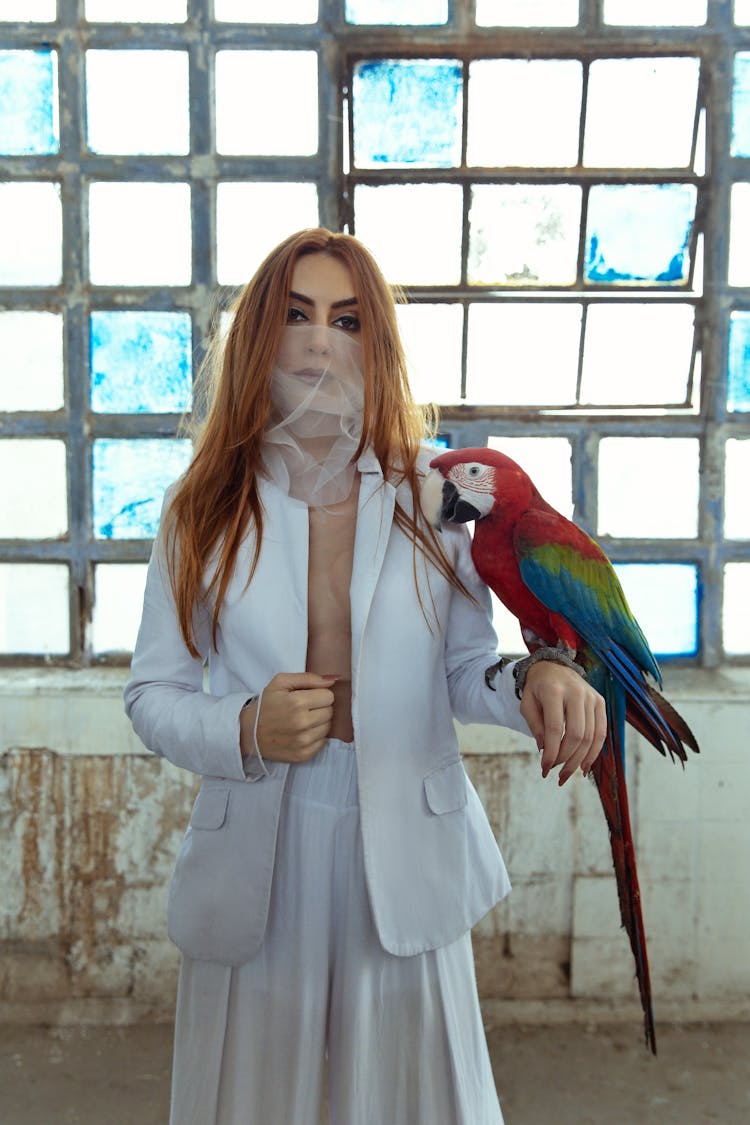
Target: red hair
(218,497)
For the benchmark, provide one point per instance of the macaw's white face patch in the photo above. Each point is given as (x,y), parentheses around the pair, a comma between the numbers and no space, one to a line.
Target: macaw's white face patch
(476,485)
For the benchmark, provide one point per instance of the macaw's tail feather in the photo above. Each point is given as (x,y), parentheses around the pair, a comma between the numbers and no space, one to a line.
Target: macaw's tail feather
(671,731)
(609,775)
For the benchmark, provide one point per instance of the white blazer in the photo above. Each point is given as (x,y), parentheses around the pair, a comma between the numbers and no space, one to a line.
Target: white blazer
(432,864)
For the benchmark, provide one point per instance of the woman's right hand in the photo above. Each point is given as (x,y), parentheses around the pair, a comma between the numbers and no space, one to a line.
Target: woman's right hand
(296,710)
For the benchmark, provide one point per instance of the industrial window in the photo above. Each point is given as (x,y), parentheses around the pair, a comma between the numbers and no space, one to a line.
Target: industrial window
(562,187)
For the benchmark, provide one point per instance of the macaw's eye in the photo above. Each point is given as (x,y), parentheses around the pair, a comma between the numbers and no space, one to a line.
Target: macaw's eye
(474,470)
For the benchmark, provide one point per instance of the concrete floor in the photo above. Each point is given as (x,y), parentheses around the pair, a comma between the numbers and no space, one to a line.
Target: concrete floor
(566,1075)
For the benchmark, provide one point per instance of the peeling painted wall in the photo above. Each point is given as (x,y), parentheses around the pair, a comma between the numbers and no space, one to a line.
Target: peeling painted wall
(90,824)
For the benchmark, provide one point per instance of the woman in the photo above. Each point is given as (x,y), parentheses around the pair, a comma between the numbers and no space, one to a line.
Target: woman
(337,855)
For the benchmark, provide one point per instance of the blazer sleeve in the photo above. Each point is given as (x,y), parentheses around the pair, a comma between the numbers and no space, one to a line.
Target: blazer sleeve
(471,647)
(165,698)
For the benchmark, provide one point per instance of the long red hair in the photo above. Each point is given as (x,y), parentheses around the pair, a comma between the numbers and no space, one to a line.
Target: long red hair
(217,498)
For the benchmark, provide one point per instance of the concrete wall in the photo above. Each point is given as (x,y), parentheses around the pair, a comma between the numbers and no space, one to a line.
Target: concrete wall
(90,824)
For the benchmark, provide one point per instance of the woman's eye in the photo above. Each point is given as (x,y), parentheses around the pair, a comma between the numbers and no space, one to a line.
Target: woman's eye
(295,316)
(348,323)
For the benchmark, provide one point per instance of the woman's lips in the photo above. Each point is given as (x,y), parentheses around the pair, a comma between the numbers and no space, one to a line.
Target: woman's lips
(310,374)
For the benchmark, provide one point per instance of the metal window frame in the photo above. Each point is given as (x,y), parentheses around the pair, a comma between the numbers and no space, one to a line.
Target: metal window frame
(339,44)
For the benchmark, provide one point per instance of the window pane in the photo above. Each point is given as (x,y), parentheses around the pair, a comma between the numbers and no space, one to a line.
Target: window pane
(35,493)
(737,475)
(739,235)
(130,476)
(639,233)
(524,113)
(655,13)
(548,463)
(742,12)
(397,11)
(431,336)
(30,234)
(637,354)
(398,223)
(140,234)
(741,106)
(252,218)
(524,234)
(664,599)
(141,362)
(407,112)
(738,389)
(641,113)
(33,11)
(34,608)
(527,13)
(648,487)
(523,353)
(137,11)
(737,607)
(155,115)
(118,601)
(266,11)
(285,83)
(31,374)
(28,103)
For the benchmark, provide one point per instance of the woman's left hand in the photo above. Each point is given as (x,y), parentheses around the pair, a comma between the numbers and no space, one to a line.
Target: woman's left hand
(566,716)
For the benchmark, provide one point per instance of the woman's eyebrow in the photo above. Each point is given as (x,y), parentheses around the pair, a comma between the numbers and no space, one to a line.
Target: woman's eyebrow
(347,301)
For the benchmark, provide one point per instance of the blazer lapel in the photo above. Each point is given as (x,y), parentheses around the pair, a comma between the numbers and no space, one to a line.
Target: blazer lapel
(377,500)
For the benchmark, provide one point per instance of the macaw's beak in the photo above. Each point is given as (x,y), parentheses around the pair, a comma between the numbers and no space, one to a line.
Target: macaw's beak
(431,498)
(454,508)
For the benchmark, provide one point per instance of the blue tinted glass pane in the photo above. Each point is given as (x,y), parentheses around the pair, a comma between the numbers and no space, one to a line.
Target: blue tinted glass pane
(28,102)
(140,362)
(639,233)
(664,598)
(407,112)
(130,476)
(397,11)
(741,106)
(738,389)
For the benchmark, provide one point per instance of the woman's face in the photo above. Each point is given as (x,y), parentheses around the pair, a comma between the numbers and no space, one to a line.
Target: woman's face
(323,327)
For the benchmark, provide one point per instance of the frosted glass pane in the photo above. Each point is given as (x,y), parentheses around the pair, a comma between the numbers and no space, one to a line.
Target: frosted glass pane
(140,234)
(285,84)
(136,11)
(524,113)
(31,372)
(639,233)
(252,218)
(510,641)
(524,234)
(154,117)
(741,105)
(141,362)
(637,354)
(34,608)
(399,223)
(130,476)
(736,481)
(548,463)
(739,235)
(33,11)
(641,113)
(30,234)
(35,493)
(266,11)
(648,487)
(527,13)
(118,601)
(738,389)
(664,600)
(523,353)
(431,335)
(397,11)
(742,12)
(28,102)
(737,606)
(407,112)
(655,13)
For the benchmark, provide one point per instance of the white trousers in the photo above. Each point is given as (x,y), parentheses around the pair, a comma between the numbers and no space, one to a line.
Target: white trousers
(403,1035)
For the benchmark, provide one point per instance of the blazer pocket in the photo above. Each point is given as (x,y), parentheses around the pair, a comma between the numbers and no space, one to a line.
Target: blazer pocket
(210,809)
(445,788)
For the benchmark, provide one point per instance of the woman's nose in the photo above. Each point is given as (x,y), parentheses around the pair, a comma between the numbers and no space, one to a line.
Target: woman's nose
(319,341)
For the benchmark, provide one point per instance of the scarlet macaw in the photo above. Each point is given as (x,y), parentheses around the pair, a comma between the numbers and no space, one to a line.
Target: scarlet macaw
(561,586)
